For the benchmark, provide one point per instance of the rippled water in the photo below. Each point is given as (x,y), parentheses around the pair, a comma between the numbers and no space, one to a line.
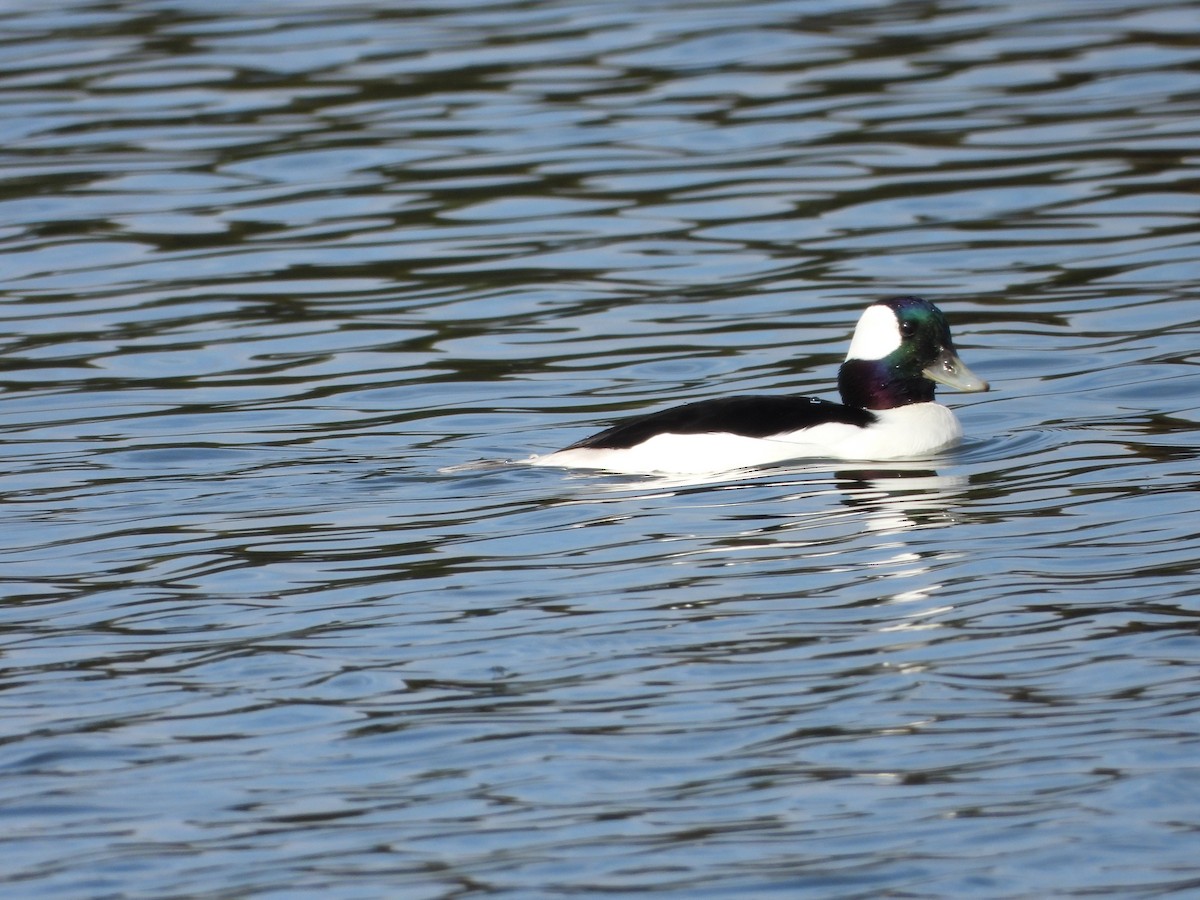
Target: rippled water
(270,268)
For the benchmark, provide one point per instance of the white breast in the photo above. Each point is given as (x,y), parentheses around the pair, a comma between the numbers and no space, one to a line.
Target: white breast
(918,429)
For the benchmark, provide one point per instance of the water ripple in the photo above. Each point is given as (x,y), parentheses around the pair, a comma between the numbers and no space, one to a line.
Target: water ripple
(277,277)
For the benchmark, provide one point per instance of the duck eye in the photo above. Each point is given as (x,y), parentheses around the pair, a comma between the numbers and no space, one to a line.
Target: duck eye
(908,328)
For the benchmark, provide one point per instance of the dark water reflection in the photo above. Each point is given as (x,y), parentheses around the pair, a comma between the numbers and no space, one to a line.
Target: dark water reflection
(271,269)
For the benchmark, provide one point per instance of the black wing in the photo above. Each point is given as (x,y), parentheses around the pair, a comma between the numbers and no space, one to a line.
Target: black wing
(749,415)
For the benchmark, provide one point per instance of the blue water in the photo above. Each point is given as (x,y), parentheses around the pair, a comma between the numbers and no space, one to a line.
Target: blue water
(274,272)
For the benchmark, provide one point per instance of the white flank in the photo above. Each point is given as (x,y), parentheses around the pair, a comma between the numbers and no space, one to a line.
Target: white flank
(918,429)
(876,335)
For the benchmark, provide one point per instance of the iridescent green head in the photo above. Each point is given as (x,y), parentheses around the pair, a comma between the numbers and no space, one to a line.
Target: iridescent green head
(900,348)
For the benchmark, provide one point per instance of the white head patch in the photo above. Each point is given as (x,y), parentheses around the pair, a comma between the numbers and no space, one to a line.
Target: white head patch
(876,335)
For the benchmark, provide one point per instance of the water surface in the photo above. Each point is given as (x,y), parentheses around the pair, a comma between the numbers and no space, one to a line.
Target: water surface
(271,269)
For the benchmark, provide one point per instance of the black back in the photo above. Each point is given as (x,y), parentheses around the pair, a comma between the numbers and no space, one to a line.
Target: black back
(748,415)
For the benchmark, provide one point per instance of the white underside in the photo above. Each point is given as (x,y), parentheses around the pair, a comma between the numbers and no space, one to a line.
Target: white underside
(919,429)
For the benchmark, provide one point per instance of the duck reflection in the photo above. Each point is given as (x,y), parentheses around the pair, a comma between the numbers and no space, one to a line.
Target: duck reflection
(896,494)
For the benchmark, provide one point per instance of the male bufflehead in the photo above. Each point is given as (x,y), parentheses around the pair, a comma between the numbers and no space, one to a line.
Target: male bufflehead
(900,348)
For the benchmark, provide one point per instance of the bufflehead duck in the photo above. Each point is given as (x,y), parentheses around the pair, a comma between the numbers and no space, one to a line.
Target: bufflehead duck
(900,348)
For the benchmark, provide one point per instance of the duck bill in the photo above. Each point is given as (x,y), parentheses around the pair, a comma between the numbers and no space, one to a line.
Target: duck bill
(949,370)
